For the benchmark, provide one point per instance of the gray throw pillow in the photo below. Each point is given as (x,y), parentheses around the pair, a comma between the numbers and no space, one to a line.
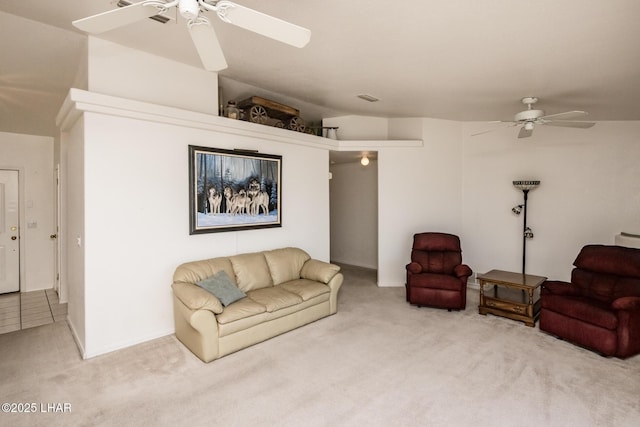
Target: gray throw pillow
(222,287)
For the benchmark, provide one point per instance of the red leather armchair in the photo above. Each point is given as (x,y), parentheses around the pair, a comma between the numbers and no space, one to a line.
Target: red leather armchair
(600,308)
(436,276)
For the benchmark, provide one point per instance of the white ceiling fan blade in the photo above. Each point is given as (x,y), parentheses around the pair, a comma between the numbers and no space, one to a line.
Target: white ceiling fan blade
(568,124)
(492,130)
(566,115)
(525,133)
(483,132)
(263,24)
(206,42)
(116,18)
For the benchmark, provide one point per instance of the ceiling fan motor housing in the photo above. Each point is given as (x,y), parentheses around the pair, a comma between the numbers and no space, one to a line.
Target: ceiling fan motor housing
(189,9)
(528,115)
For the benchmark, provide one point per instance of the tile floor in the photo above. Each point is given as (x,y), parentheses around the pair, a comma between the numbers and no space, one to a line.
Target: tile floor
(29,309)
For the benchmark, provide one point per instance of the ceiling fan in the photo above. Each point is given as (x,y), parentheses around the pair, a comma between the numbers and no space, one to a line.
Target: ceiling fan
(530,117)
(200,28)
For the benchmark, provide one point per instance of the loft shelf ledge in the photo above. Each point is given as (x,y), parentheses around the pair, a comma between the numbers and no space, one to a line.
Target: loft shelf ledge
(373,144)
(80,101)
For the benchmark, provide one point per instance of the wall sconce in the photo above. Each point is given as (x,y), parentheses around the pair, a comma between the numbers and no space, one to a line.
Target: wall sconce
(527,233)
(364,161)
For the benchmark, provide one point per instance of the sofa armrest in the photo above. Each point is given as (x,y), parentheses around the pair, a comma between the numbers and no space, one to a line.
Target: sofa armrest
(462,270)
(196,298)
(626,303)
(319,271)
(557,287)
(414,267)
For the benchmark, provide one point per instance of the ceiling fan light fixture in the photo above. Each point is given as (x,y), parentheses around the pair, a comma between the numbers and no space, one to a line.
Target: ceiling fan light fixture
(528,126)
(189,9)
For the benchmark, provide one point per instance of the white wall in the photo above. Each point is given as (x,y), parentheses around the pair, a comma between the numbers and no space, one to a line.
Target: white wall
(128,73)
(419,190)
(354,214)
(589,192)
(33,157)
(72,170)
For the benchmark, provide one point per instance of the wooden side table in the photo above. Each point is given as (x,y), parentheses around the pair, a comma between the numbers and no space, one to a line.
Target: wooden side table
(513,286)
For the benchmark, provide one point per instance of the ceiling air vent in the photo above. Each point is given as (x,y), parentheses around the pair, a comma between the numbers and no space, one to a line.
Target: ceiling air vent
(160,18)
(369,98)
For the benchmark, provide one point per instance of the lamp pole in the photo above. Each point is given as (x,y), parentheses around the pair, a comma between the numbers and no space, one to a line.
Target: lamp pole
(525,186)
(524,231)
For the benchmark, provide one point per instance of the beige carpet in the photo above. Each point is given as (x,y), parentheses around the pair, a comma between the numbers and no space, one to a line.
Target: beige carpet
(377,362)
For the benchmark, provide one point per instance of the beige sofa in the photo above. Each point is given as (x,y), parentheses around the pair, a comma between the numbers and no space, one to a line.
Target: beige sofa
(284,289)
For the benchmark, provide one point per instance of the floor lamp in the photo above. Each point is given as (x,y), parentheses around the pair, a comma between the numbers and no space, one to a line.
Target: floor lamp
(527,233)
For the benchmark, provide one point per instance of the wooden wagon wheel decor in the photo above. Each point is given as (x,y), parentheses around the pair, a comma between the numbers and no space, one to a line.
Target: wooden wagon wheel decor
(266,112)
(258,114)
(297,124)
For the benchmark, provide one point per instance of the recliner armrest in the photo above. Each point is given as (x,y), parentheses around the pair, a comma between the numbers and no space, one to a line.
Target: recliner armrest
(414,268)
(626,303)
(462,270)
(557,287)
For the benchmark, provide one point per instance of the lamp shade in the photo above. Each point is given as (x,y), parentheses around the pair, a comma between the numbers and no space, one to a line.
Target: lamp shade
(526,185)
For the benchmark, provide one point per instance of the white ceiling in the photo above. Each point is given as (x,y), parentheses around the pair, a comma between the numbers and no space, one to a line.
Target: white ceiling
(455,59)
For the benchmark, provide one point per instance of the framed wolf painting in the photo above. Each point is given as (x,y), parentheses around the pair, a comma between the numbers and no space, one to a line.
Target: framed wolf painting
(232,190)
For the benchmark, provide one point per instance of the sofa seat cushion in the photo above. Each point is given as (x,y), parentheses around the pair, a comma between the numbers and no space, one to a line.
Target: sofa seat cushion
(438,281)
(246,307)
(306,289)
(231,328)
(583,309)
(274,298)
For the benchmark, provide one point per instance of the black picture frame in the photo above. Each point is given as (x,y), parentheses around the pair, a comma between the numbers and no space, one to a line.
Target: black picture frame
(231,190)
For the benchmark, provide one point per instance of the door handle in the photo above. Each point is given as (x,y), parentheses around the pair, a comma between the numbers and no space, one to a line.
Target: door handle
(53,236)
(14,237)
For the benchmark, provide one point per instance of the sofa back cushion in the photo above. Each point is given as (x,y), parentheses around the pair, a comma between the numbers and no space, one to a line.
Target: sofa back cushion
(285,264)
(606,273)
(195,271)
(251,271)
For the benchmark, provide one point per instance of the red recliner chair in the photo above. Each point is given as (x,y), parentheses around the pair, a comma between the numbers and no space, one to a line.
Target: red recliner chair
(600,308)
(436,276)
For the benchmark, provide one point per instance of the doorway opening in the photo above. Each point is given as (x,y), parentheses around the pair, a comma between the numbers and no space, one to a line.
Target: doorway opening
(353,197)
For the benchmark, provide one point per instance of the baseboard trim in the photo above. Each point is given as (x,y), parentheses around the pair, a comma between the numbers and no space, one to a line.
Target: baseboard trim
(391,284)
(76,338)
(130,343)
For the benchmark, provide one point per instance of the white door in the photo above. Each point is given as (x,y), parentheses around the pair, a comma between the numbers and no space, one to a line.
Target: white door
(9,232)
